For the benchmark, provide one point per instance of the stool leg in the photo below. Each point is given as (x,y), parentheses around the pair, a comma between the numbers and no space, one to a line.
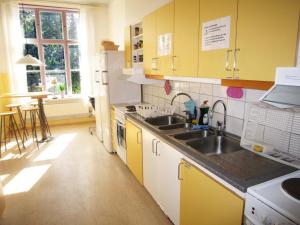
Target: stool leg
(14,120)
(47,125)
(25,115)
(11,118)
(4,134)
(0,134)
(34,126)
(22,122)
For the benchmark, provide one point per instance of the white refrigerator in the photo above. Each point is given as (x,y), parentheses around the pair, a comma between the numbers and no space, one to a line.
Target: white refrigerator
(110,89)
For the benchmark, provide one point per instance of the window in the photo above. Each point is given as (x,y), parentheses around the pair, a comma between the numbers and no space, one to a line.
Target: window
(52,37)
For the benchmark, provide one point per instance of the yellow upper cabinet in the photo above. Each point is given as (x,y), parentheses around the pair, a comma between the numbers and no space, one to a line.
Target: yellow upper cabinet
(186,38)
(150,47)
(215,60)
(266,37)
(203,201)
(165,33)
(128,55)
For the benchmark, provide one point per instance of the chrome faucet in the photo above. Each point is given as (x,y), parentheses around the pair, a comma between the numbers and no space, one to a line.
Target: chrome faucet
(188,116)
(181,93)
(219,123)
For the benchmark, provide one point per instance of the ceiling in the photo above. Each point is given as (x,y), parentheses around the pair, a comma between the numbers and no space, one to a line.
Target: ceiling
(83,2)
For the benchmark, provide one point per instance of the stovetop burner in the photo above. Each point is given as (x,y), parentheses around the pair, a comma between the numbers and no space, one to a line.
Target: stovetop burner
(292,187)
(131,108)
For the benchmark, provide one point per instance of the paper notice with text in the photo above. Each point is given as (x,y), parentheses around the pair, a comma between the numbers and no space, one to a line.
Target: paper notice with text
(164,44)
(216,34)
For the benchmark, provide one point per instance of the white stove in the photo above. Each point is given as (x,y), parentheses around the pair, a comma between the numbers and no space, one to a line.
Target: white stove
(120,135)
(270,204)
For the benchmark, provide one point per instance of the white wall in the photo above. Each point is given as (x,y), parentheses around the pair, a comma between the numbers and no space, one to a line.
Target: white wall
(126,12)
(117,22)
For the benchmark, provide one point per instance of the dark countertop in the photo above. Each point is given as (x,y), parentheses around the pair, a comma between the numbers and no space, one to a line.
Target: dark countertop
(241,169)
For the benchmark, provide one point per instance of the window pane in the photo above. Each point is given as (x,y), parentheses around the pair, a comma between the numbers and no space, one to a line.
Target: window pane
(32,50)
(60,78)
(27,18)
(54,57)
(34,82)
(75,76)
(72,25)
(74,56)
(51,25)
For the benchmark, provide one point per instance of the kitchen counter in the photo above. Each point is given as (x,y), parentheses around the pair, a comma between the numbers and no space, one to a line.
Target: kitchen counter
(241,169)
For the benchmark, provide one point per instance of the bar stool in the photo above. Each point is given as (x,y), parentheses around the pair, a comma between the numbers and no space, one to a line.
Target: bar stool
(18,108)
(33,111)
(35,104)
(12,124)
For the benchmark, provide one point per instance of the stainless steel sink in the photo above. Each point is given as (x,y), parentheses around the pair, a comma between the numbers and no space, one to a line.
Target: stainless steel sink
(165,120)
(193,134)
(172,126)
(215,145)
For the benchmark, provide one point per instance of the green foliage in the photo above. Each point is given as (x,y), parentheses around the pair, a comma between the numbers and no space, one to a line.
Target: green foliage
(61,87)
(75,76)
(27,18)
(51,25)
(54,57)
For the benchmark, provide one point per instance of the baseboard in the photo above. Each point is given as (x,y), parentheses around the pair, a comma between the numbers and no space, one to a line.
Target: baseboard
(76,119)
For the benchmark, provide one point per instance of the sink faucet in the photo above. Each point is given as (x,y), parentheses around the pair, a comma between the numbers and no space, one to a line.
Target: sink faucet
(181,93)
(219,123)
(188,116)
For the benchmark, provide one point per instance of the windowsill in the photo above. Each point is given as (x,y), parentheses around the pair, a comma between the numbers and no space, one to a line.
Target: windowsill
(66,99)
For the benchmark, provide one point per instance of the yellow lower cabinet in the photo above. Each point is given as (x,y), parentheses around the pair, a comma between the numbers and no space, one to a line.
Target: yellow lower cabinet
(203,201)
(134,150)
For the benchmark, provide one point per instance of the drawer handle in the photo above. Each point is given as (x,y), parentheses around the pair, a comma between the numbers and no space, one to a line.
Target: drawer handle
(156,152)
(153,140)
(138,140)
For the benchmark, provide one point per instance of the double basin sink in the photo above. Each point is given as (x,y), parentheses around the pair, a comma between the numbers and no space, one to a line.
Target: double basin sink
(207,142)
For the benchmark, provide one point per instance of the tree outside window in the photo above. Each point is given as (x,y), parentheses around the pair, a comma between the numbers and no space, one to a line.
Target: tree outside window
(52,36)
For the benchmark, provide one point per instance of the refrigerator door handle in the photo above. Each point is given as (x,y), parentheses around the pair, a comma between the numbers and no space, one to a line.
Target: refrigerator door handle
(104,77)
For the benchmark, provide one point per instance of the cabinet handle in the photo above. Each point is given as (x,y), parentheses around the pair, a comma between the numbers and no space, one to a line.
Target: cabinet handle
(137,137)
(173,63)
(235,60)
(154,61)
(227,60)
(153,140)
(156,152)
(179,170)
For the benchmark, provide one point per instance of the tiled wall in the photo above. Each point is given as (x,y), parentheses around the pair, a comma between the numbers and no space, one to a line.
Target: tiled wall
(237,110)
(155,94)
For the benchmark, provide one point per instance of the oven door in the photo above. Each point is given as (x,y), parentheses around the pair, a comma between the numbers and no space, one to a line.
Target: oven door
(120,135)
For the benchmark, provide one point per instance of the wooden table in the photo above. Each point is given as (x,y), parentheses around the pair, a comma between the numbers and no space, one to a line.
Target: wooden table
(39,96)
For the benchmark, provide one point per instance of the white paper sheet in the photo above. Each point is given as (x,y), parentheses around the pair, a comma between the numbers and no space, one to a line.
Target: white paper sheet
(164,44)
(216,34)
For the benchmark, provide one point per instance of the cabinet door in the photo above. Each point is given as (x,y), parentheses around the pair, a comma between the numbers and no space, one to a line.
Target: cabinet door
(266,37)
(150,172)
(204,201)
(215,63)
(186,38)
(134,150)
(149,44)
(165,25)
(128,47)
(169,185)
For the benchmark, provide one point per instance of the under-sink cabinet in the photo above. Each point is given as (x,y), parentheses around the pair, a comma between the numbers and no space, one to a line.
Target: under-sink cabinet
(160,172)
(205,201)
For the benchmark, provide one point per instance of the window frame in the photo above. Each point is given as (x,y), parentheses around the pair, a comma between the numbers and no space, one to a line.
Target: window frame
(39,41)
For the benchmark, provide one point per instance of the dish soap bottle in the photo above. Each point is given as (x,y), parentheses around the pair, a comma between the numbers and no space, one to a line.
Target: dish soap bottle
(204,108)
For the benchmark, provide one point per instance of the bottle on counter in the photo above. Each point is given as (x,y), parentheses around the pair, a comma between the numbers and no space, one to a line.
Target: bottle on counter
(204,108)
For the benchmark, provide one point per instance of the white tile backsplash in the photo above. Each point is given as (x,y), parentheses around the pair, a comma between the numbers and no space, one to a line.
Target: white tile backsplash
(275,134)
(236,108)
